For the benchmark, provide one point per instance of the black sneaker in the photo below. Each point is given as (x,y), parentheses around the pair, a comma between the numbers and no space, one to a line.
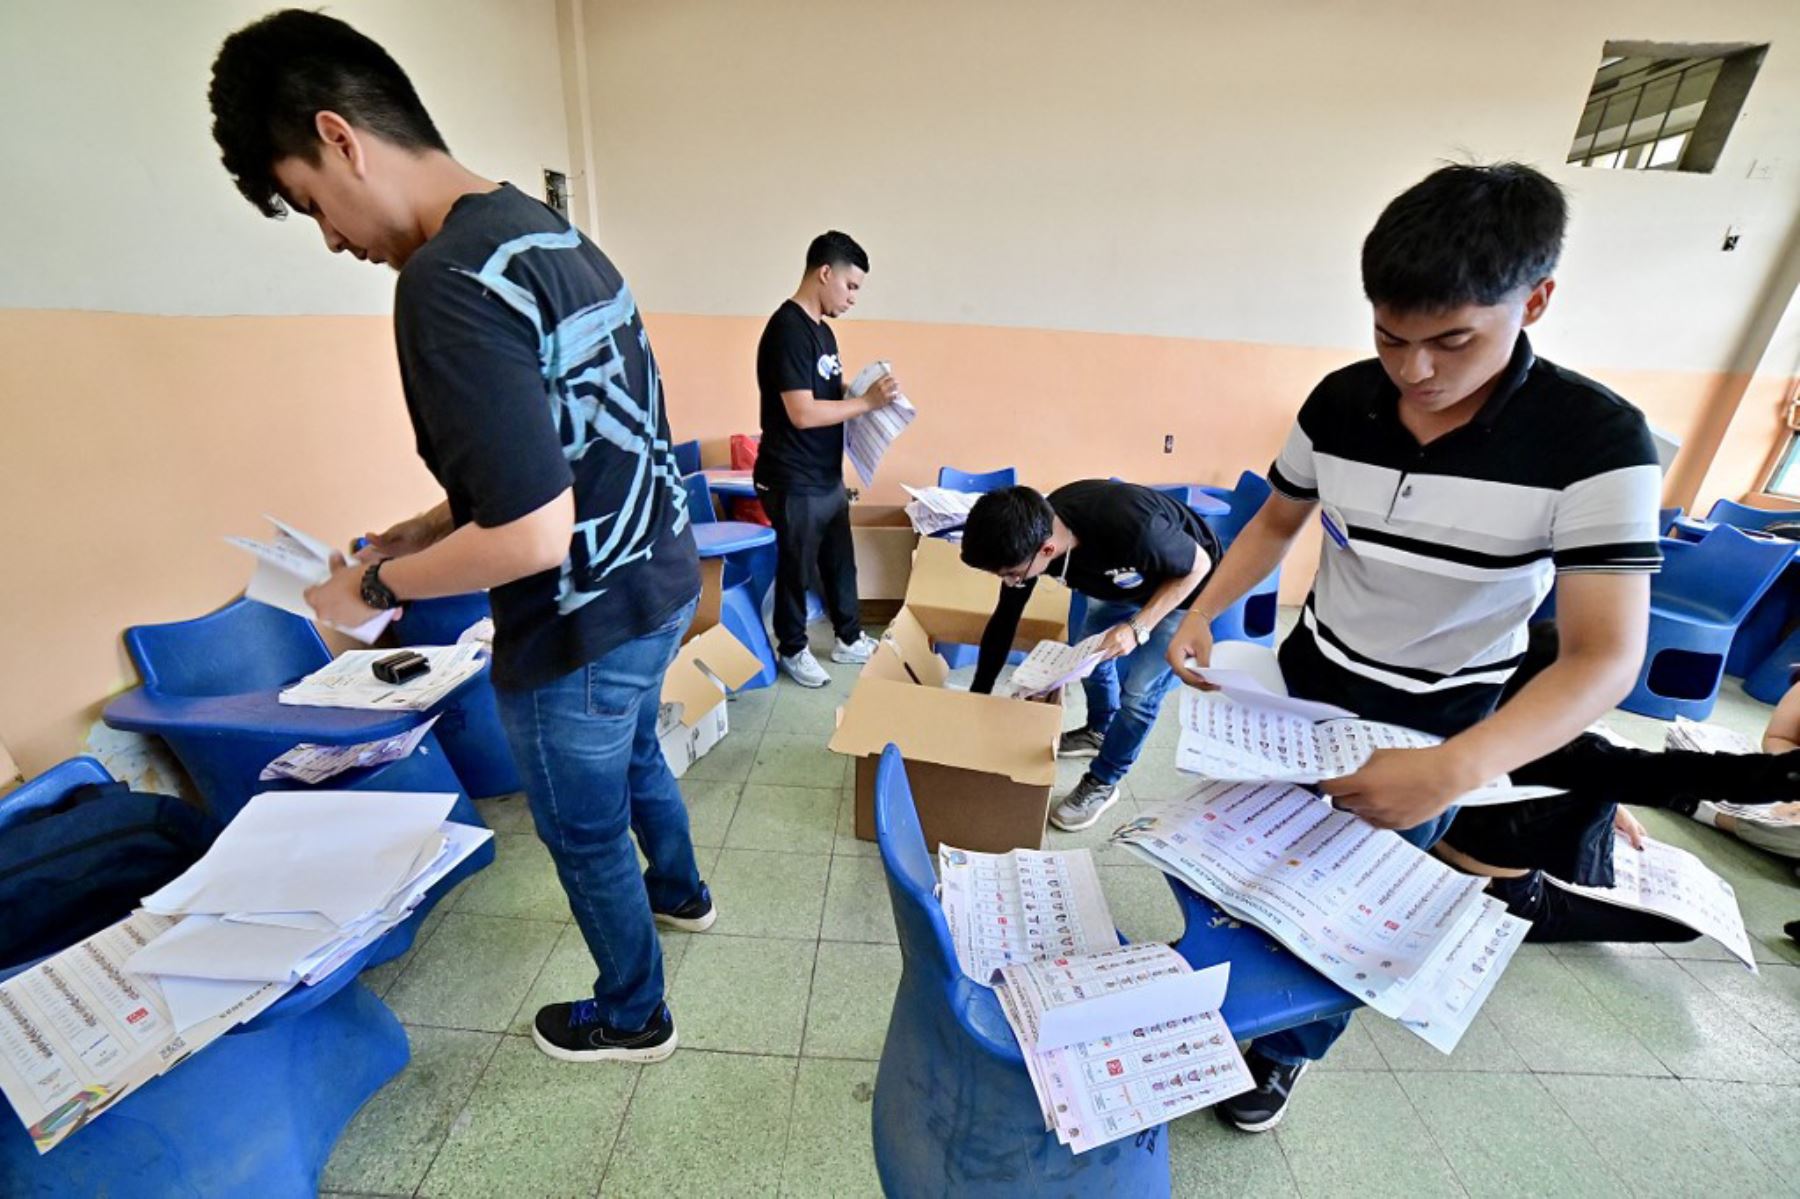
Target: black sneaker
(694,916)
(1262,1109)
(1080,743)
(574,1032)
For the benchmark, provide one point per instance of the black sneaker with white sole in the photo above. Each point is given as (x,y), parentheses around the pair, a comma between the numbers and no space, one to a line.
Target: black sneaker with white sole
(694,916)
(574,1032)
(1262,1109)
(1081,807)
(1080,743)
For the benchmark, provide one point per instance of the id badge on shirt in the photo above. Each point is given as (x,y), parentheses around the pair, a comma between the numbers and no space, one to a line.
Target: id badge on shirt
(1337,529)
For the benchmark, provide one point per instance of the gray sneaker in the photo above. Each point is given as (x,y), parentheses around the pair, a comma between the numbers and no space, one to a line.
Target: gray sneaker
(1081,807)
(1080,743)
(854,653)
(804,669)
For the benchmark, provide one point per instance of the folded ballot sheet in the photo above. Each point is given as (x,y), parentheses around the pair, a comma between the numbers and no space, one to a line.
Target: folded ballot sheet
(867,437)
(289,564)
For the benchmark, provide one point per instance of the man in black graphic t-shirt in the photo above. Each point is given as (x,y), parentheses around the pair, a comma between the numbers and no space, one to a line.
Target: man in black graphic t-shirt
(800,464)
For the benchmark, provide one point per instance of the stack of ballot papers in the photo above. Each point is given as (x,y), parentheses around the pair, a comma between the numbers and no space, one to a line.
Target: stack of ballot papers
(1021,906)
(867,437)
(287,566)
(1706,738)
(1121,1040)
(1054,664)
(1245,732)
(1675,884)
(308,763)
(297,885)
(349,681)
(1384,920)
(935,510)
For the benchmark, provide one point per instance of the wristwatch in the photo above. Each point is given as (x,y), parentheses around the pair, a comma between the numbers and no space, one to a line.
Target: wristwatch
(375,593)
(1140,632)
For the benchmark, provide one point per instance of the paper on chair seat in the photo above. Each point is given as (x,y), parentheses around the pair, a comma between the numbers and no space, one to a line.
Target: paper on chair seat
(309,763)
(193,1000)
(348,681)
(208,947)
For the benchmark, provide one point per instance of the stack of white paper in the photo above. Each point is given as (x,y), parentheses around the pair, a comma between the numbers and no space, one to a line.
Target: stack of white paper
(1054,664)
(289,565)
(1673,883)
(308,763)
(1121,1040)
(349,680)
(1243,732)
(935,510)
(1021,906)
(1706,738)
(867,437)
(1387,922)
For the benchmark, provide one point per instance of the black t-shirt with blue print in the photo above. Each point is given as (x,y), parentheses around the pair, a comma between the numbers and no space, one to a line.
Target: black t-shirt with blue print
(527,371)
(797,353)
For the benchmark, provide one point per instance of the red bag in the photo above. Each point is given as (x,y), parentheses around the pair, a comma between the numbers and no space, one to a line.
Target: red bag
(743,457)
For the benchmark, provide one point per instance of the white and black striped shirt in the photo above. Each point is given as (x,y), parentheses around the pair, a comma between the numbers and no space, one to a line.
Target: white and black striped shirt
(1448,548)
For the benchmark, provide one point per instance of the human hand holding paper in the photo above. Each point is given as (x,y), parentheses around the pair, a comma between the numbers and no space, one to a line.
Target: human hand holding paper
(338,600)
(1190,650)
(1400,788)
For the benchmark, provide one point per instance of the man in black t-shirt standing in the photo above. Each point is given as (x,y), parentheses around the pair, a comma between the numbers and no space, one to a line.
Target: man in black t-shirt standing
(1139,555)
(800,463)
(537,405)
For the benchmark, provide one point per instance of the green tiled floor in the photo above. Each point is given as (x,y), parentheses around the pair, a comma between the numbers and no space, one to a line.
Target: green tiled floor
(1593,1070)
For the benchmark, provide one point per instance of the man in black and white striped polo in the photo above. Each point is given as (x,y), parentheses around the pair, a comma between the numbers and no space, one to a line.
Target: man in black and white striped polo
(1456,475)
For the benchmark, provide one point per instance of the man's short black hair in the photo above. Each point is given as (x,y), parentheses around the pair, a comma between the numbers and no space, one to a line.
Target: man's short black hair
(272,77)
(834,249)
(1464,235)
(1006,528)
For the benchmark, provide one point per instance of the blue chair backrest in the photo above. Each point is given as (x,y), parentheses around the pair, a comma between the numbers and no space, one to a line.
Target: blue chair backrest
(699,499)
(912,884)
(1246,500)
(244,646)
(48,788)
(1722,575)
(1738,516)
(1666,517)
(687,456)
(977,481)
(441,621)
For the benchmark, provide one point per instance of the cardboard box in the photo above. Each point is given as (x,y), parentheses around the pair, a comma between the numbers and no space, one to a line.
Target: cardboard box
(884,541)
(711,663)
(981,766)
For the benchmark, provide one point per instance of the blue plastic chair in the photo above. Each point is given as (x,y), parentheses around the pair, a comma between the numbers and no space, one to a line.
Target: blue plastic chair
(1742,516)
(954,1111)
(749,570)
(1253,617)
(468,724)
(1697,602)
(254,1115)
(979,482)
(1761,631)
(210,692)
(687,456)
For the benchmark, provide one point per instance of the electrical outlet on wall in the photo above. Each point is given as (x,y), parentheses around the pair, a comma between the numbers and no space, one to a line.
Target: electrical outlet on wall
(1168,443)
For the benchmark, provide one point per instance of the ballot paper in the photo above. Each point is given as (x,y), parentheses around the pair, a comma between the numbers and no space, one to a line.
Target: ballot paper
(79,1031)
(1442,1013)
(1121,1040)
(1381,918)
(935,510)
(1707,738)
(308,763)
(340,854)
(867,437)
(1673,883)
(1242,732)
(287,566)
(1020,906)
(349,681)
(1054,664)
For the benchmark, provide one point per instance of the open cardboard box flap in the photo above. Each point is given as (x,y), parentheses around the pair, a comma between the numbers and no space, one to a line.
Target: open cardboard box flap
(705,670)
(905,654)
(951,728)
(954,601)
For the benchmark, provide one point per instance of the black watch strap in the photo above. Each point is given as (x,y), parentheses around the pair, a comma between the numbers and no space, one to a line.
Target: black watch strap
(375,593)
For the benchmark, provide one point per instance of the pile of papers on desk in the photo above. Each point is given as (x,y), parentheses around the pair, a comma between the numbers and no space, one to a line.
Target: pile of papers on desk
(296,886)
(349,681)
(935,510)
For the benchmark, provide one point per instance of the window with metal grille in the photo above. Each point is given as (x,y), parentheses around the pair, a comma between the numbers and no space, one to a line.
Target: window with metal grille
(1664,107)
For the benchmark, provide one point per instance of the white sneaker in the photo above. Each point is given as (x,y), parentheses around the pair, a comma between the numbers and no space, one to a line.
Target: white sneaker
(854,653)
(804,669)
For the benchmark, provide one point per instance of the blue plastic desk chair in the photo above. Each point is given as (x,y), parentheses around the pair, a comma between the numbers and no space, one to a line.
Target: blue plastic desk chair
(1762,630)
(1742,516)
(687,456)
(1253,617)
(254,1115)
(1703,593)
(468,724)
(977,481)
(955,1113)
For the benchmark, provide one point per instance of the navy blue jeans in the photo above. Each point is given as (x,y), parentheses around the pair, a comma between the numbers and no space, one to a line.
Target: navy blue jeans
(1308,1042)
(587,750)
(1125,694)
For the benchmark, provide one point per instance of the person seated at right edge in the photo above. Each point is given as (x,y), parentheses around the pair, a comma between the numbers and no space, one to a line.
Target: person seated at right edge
(1456,476)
